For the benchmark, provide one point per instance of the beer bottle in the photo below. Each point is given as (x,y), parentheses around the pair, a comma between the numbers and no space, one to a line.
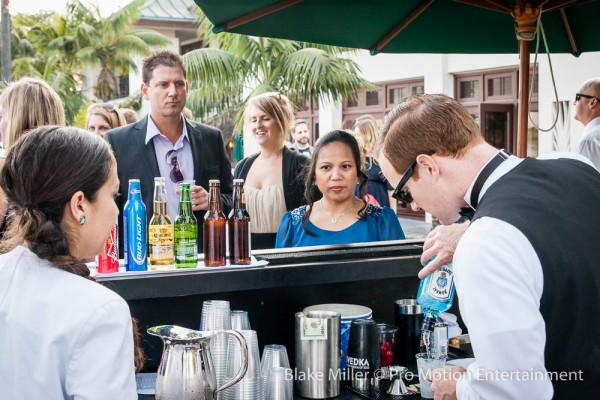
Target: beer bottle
(186,231)
(160,230)
(214,227)
(238,224)
(134,229)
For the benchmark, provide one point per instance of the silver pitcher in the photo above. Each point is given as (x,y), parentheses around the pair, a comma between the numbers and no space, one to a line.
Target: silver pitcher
(186,370)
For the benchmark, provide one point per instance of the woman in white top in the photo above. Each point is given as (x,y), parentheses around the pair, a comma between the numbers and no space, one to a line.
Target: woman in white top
(62,336)
(273,184)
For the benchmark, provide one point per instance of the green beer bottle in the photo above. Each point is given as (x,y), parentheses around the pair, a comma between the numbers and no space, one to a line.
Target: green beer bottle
(186,231)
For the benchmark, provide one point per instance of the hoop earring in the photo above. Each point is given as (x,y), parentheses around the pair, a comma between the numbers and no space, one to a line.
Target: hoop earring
(82,220)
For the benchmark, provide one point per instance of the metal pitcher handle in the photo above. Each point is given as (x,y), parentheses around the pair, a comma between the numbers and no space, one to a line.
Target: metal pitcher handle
(238,377)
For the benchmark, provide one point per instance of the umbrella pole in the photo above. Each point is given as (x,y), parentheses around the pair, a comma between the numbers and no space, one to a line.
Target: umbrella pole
(523,99)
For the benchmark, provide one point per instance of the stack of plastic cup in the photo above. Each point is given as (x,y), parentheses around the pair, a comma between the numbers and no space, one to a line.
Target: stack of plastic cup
(250,387)
(274,355)
(216,316)
(240,320)
(279,384)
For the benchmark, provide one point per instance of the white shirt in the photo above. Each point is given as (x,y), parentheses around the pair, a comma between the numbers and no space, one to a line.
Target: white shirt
(589,143)
(499,281)
(61,336)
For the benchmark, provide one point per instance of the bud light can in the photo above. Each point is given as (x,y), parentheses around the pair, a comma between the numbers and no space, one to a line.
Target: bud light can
(107,262)
(134,229)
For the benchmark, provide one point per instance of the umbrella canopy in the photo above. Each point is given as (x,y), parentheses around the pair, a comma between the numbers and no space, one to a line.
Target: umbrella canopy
(419,26)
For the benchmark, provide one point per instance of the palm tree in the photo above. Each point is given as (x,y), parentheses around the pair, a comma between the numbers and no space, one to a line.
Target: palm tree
(219,74)
(109,42)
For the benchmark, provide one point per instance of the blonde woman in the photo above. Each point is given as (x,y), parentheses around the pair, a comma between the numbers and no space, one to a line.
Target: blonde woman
(25,105)
(377,187)
(103,117)
(271,176)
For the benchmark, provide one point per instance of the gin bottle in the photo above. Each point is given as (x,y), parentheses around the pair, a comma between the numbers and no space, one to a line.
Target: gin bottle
(435,295)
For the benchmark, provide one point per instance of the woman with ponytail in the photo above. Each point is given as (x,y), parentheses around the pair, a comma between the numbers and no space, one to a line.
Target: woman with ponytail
(61,334)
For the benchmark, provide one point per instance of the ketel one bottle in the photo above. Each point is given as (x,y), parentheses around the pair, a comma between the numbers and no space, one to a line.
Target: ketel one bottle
(107,262)
(435,295)
(214,227)
(186,231)
(238,225)
(160,230)
(134,229)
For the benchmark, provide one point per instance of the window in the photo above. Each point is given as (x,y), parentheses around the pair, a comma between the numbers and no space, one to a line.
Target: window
(468,89)
(372,98)
(397,94)
(417,89)
(500,86)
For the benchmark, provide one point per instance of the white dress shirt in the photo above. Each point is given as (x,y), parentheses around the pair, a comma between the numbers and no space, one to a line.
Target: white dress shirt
(499,281)
(589,143)
(61,336)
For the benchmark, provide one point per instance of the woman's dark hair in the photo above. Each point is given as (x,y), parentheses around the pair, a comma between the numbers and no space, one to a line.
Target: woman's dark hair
(312,192)
(41,173)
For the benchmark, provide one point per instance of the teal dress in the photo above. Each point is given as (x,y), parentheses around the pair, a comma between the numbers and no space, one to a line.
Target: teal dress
(379,224)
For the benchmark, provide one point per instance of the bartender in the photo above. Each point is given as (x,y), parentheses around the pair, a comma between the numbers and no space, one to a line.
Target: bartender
(526,269)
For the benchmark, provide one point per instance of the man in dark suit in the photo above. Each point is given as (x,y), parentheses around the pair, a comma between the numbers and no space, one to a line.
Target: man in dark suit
(166,144)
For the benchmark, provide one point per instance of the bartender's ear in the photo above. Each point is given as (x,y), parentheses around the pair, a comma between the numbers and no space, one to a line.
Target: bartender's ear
(428,163)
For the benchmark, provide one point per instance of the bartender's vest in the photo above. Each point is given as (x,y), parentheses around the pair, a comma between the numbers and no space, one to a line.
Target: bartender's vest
(556,205)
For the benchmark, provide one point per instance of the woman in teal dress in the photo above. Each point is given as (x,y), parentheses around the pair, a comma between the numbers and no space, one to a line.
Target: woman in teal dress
(333,215)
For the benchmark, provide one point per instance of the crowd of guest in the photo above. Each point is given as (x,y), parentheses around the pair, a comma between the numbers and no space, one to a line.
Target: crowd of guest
(59,199)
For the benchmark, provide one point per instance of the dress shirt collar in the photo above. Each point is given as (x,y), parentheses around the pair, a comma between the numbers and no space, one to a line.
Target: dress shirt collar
(499,172)
(152,130)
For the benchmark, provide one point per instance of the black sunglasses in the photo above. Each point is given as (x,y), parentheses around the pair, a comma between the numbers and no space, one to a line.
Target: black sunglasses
(404,195)
(175,174)
(578,96)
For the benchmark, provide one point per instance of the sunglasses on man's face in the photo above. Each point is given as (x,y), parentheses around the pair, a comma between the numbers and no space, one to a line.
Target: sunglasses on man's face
(578,97)
(404,195)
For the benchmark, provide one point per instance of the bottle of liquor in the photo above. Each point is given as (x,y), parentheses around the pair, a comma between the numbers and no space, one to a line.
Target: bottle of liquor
(134,229)
(214,227)
(435,295)
(186,231)
(238,224)
(160,230)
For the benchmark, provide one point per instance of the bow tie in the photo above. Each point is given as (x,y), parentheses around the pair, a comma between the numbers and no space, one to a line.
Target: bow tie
(306,150)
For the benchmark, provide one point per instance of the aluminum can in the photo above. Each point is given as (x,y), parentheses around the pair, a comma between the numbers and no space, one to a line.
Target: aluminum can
(134,229)
(107,262)
(439,340)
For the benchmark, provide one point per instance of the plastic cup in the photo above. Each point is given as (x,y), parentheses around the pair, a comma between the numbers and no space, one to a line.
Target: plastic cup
(426,364)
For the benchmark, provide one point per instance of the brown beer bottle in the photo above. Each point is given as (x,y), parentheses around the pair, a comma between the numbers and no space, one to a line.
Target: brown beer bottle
(239,226)
(214,227)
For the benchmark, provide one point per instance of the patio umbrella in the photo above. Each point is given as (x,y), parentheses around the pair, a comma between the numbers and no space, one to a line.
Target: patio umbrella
(420,26)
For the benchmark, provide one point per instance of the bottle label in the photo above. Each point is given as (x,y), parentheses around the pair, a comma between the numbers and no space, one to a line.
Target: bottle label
(160,239)
(440,284)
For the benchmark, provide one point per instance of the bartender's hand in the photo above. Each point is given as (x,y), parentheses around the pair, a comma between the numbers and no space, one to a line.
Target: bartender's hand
(443,383)
(199,198)
(441,243)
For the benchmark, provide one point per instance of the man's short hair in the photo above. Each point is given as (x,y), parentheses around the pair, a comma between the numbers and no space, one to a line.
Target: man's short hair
(426,124)
(162,57)
(298,122)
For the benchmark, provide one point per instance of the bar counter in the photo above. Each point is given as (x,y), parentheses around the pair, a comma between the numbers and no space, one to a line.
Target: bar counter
(368,274)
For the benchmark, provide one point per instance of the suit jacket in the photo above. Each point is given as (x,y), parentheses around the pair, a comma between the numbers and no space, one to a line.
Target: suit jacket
(137,160)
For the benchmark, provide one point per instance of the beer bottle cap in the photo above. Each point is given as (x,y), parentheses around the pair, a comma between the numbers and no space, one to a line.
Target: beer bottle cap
(214,182)
(238,181)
